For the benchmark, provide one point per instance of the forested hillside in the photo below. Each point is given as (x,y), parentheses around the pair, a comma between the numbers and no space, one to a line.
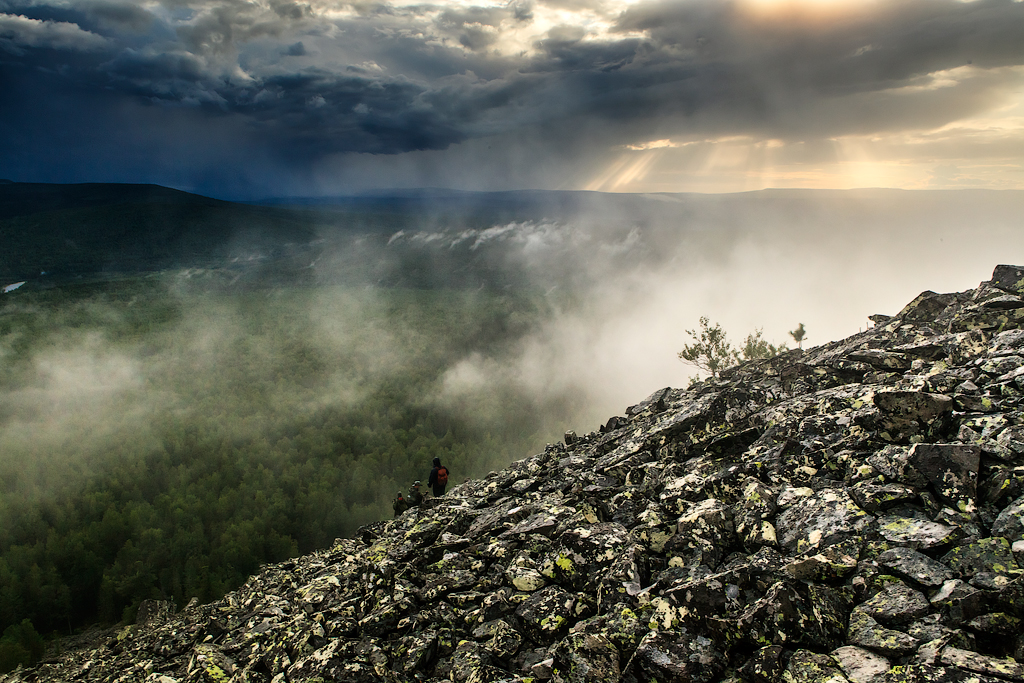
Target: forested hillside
(159,440)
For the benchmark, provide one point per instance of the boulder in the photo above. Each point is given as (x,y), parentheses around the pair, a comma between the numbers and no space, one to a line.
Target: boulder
(915,567)
(676,656)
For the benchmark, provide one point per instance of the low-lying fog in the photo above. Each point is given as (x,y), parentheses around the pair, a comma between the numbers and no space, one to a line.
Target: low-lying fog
(600,304)
(626,279)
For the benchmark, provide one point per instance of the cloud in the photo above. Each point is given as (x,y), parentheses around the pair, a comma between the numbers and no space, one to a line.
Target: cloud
(18,31)
(571,74)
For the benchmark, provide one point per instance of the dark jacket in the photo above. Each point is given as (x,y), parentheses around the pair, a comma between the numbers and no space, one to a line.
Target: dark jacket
(400,505)
(432,482)
(415,496)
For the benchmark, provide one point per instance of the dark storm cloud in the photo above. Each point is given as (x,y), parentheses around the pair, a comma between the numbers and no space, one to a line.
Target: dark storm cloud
(803,72)
(19,32)
(311,79)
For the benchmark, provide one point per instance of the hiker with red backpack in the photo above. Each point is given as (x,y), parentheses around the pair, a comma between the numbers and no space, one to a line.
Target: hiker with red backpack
(400,504)
(438,479)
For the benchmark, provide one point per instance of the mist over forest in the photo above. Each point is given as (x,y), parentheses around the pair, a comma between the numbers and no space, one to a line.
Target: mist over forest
(248,382)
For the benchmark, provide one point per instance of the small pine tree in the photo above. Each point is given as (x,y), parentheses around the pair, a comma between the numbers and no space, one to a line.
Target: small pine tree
(798,335)
(755,346)
(711,351)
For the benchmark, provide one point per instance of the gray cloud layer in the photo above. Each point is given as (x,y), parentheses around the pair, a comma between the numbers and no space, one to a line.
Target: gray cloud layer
(293,82)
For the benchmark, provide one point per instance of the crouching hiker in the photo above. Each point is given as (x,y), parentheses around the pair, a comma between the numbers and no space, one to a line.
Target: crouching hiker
(400,504)
(415,494)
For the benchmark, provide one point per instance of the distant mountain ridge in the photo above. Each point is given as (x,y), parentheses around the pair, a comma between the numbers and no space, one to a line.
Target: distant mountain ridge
(21,199)
(105,230)
(90,230)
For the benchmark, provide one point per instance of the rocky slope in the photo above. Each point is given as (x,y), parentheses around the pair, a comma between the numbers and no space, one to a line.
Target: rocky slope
(850,513)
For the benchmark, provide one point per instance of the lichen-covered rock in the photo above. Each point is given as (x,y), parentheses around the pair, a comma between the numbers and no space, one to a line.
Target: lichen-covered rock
(916,533)
(868,633)
(357,661)
(907,414)
(896,604)
(764,665)
(502,640)
(860,665)
(972,661)
(210,665)
(780,617)
(914,566)
(984,555)
(996,624)
(547,614)
(834,562)
(825,517)
(597,558)
(676,656)
(951,469)
(752,516)
(875,497)
(1010,522)
(809,667)
(704,534)
(584,657)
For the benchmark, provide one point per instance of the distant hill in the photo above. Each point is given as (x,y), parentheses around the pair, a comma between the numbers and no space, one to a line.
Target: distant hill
(22,199)
(104,230)
(95,229)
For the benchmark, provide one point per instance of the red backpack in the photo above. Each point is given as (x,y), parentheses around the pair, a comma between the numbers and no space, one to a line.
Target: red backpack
(442,476)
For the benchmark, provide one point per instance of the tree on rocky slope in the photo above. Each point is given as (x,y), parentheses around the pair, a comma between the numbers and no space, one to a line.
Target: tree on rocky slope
(20,645)
(798,335)
(712,352)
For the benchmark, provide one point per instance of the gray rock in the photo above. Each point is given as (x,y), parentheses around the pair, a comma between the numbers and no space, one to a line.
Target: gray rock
(951,469)
(828,514)
(860,665)
(985,555)
(543,670)
(916,533)
(676,656)
(896,604)
(868,633)
(1010,522)
(912,565)
(809,667)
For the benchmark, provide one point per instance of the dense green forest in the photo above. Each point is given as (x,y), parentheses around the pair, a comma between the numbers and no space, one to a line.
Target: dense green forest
(162,441)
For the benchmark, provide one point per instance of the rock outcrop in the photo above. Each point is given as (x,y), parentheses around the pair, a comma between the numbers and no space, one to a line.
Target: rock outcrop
(854,512)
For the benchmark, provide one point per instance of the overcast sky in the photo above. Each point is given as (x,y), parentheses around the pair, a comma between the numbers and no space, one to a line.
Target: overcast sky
(273,97)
